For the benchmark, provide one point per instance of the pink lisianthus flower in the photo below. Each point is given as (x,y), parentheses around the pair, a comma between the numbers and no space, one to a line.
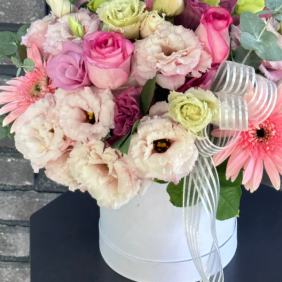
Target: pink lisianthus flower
(61,31)
(108,56)
(259,147)
(22,91)
(149,4)
(36,33)
(38,136)
(85,114)
(68,69)
(174,52)
(127,112)
(272,70)
(110,178)
(213,31)
(163,149)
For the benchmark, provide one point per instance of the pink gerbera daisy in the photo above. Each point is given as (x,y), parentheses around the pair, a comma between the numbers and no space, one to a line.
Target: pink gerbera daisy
(25,90)
(259,147)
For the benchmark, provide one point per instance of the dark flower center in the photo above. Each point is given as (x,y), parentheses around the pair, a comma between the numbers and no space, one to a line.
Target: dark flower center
(36,89)
(260,133)
(162,145)
(90,118)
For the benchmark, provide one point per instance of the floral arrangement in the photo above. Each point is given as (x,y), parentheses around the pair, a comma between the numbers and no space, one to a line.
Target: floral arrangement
(114,95)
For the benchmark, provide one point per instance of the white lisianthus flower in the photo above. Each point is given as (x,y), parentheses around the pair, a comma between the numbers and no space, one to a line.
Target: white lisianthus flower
(59,172)
(38,136)
(60,7)
(174,52)
(85,114)
(163,149)
(110,178)
(150,22)
(194,109)
(123,16)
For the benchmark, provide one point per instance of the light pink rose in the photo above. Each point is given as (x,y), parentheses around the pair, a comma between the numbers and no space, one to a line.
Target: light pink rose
(108,56)
(36,33)
(59,172)
(163,149)
(272,70)
(110,178)
(174,52)
(61,32)
(85,114)
(68,69)
(38,136)
(213,31)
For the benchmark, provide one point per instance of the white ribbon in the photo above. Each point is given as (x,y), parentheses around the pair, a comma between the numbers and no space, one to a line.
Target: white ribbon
(201,188)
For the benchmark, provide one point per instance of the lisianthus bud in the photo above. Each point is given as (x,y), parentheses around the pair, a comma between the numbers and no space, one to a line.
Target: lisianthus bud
(150,22)
(60,7)
(76,28)
(95,4)
(253,6)
(212,3)
(171,8)
(194,109)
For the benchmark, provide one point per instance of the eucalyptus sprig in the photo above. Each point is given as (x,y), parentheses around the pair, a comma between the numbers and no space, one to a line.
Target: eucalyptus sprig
(28,65)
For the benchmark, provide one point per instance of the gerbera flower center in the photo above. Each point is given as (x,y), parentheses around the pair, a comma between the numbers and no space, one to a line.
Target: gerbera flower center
(36,89)
(161,145)
(90,118)
(263,134)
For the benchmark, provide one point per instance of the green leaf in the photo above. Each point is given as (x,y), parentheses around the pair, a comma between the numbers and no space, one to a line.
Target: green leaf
(95,4)
(22,52)
(28,65)
(3,130)
(230,194)
(147,95)
(159,181)
(16,62)
(8,43)
(241,56)
(76,28)
(18,72)
(275,5)
(84,5)
(124,143)
(255,37)
(265,12)
(74,1)
(277,16)
(22,31)
(176,193)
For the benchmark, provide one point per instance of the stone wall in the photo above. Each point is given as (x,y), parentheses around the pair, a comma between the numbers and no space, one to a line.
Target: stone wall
(21,191)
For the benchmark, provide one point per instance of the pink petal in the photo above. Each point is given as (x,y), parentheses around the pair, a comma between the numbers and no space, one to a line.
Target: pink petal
(255,181)
(235,164)
(8,108)
(223,155)
(272,172)
(249,169)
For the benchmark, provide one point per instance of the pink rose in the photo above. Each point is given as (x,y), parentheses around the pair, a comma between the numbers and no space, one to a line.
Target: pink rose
(108,57)
(213,32)
(127,112)
(68,69)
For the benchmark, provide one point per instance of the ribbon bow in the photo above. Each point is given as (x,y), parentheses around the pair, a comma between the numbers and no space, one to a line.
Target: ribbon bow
(243,96)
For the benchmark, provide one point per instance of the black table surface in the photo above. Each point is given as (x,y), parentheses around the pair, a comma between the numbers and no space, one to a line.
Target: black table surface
(65,241)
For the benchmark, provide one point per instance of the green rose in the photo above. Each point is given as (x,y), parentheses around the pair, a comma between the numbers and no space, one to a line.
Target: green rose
(194,109)
(123,16)
(171,8)
(212,3)
(253,6)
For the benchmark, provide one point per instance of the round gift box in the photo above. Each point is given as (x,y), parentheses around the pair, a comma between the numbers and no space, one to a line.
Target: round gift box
(145,240)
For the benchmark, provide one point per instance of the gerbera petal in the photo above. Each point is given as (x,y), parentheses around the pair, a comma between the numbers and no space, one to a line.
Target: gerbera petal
(223,155)
(235,164)
(256,178)
(272,172)
(8,108)
(14,115)
(249,170)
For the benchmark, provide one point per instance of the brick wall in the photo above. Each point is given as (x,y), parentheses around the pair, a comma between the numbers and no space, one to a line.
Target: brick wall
(21,192)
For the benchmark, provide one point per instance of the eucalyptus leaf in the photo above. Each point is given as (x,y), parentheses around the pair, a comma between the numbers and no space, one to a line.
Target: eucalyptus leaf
(22,52)
(275,5)
(8,43)
(159,181)
(18,72)
(22,31)
(119,143)
(16,62)
(265,12)
(252,59)
(277,16)
(147,95)
(255,37)
(28,65)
